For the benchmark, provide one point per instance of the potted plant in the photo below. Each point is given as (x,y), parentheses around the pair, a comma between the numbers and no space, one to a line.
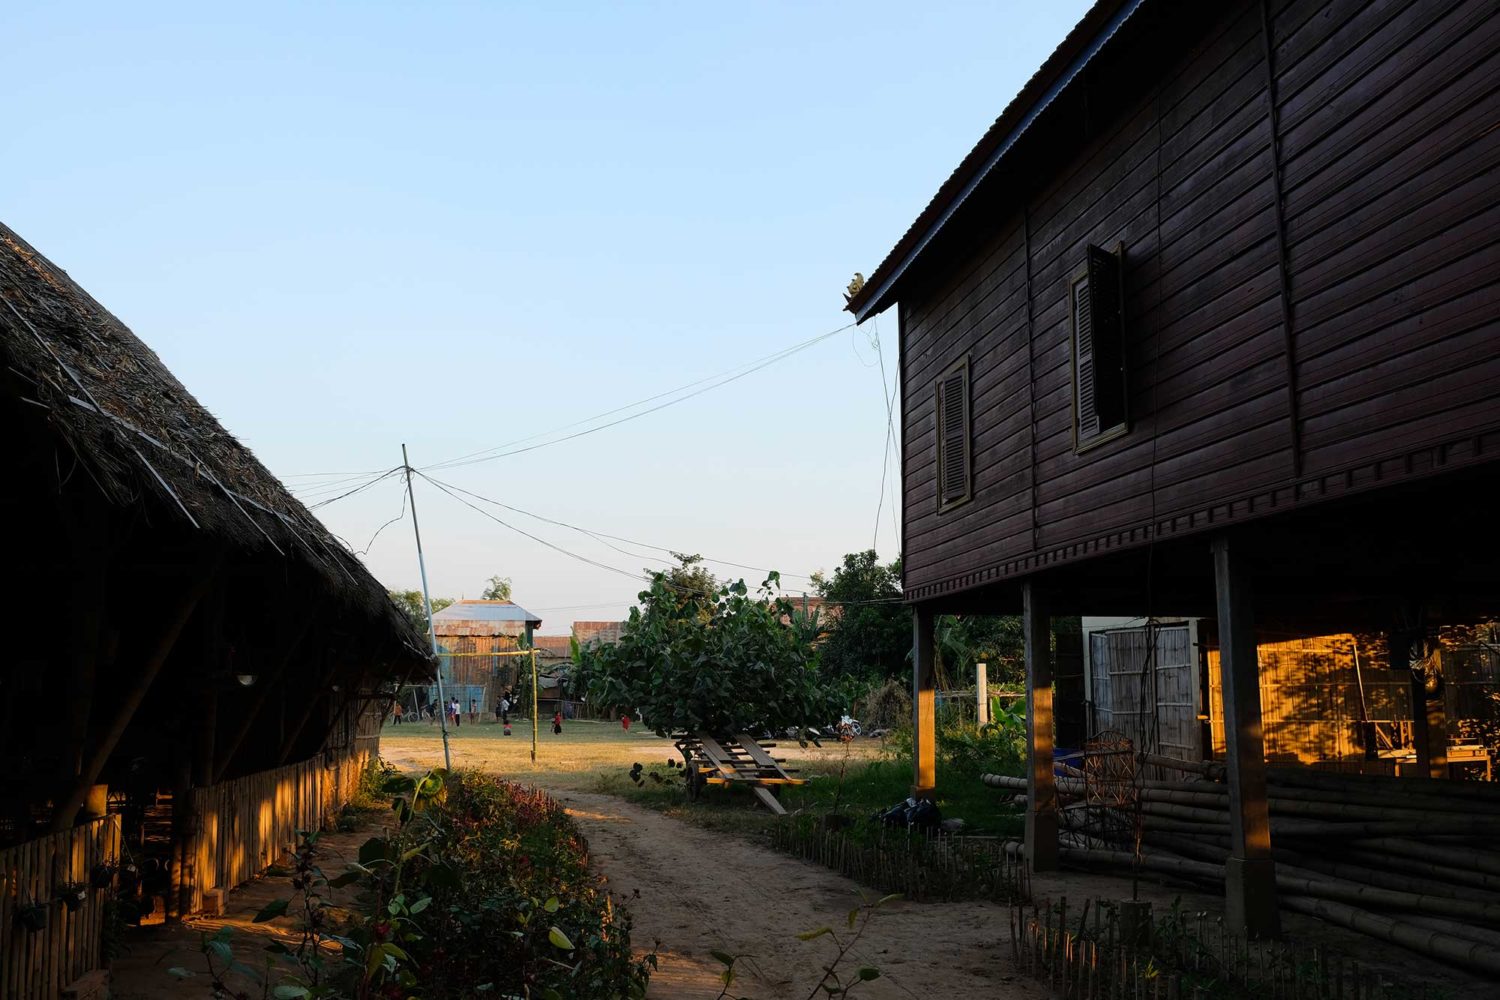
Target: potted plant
(102,875)
(73,894)
(130,877)
(32,916)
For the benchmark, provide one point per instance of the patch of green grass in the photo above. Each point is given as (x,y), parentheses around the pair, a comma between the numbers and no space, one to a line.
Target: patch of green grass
(867,787)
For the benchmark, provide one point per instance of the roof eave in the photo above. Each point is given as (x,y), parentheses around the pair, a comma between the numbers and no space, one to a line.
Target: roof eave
(878,293)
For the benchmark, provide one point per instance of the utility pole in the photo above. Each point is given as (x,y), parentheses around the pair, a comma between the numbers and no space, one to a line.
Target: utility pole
(437,664)
(536,722)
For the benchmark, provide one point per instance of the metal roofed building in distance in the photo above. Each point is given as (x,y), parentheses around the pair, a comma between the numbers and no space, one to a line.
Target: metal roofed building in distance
(484,618)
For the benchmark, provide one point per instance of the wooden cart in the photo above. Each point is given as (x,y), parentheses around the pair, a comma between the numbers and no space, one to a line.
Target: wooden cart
(740,760)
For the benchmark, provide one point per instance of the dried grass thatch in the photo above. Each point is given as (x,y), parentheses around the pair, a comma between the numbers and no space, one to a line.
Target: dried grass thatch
(145,440)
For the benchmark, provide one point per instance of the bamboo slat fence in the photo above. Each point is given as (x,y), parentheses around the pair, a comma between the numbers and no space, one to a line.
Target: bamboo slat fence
(243,826)
(37,964)
(1086,954)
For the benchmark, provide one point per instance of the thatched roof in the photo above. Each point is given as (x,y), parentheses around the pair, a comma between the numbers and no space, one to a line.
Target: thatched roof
(144,439)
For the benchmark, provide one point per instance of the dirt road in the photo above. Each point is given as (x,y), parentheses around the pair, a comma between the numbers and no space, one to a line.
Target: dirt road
(699,891)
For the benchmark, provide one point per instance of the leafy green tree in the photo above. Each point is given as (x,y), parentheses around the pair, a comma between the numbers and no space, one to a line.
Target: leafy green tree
(964,640)
(410,602)
(738,667)
(870,637)
(688,591)
(498,589)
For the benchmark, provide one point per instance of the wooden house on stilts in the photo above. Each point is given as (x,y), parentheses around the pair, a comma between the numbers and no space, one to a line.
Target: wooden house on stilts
(195,668)
(1208,325)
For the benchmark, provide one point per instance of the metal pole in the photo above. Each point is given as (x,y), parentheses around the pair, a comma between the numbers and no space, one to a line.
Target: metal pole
(437,664)
(535,718)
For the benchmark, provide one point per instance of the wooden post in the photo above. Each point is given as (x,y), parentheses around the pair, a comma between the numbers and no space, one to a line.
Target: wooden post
(923,704)
(67,810)
(207,678)
(1429,721)
(1041,786)
(1249,872)
(88,603)
(982,691)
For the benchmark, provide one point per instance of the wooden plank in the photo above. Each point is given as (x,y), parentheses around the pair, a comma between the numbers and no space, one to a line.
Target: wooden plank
(766,761)
(771,802)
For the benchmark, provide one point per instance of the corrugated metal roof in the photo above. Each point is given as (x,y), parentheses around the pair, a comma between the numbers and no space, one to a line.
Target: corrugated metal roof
(483,618)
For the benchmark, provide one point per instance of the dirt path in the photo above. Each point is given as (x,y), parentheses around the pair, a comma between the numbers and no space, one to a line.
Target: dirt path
(699,891)
(141,973)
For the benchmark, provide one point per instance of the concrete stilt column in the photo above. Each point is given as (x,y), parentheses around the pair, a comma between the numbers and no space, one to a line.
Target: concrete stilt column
(1041,786)
(1249,873)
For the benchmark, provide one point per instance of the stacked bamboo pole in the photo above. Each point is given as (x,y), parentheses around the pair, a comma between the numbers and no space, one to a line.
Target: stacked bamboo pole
(1407,861)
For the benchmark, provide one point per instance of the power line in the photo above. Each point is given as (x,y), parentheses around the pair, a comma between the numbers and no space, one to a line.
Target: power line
(714,382)
(357,489)
(885,456)
(594,562)
(601,536)
(366,550)
(522,531)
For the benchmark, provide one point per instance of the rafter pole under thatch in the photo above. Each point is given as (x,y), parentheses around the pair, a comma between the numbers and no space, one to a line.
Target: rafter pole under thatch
(268,684)
(130,701)
(314,699)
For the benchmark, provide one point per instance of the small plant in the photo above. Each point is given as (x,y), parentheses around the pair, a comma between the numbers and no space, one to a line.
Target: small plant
(73,894)
(102,875)
(32,916)
(836,981)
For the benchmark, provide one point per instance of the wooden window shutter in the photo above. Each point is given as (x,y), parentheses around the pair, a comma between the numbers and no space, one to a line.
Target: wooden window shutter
(1108,321)
(953,435)
(1098,347)
(1086,412)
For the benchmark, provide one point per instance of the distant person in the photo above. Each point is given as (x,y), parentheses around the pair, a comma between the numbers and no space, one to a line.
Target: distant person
(504,710)
(625,722)
(455,714)
(473,710)
(557,722)
(396,714)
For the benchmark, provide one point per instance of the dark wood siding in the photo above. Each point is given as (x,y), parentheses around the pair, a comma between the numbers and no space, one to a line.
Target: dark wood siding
(1388,146)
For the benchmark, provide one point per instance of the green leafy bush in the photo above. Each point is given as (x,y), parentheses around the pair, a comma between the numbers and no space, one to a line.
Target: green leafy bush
(724,663)
(483,889)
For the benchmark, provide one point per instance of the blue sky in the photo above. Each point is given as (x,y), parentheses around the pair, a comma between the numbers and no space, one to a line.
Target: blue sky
(345,226)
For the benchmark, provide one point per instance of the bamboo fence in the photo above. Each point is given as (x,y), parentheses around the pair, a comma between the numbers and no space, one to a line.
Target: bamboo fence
(242,826)
(38,964)
(921,866)
(1088,955)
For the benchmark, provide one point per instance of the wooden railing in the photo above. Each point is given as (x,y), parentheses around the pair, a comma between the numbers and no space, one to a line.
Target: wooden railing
(37,964)
(242,826)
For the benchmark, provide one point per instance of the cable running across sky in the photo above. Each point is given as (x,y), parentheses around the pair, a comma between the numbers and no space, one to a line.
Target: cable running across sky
(698,387)
(646,577)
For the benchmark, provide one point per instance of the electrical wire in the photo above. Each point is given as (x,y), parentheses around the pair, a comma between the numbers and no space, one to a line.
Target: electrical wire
(885,457)
(358,489)
(596,563)
(371,544)
(714,382)
(601,536)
